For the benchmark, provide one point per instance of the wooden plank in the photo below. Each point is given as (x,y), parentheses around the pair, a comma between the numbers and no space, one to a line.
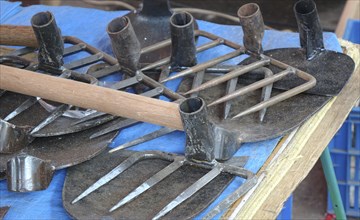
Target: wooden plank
(290,167)
(351,11)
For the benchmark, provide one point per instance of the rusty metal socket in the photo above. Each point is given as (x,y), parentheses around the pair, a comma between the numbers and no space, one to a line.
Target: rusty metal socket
(252,24)
(27,173)
(183,48)
(311,35)
(125,44)
(12,138)
(199,136)
(51,44)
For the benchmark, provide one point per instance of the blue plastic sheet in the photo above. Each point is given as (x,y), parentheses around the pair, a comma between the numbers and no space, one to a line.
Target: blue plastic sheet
(89,25)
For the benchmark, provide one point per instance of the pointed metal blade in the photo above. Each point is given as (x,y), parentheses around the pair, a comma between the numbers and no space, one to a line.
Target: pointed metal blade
(59,111)
(230,88)
(198,80)
(115,127)
(84,61)
(204,65)
(89,117)
(109,176)
(24,106)
(189,191)
(147,137)
(162,174)
(265,93)
(226,77)
(232,198)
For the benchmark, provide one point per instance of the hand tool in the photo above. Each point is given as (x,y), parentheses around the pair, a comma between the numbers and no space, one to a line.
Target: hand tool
(80,177)
(58,152)
(199,151)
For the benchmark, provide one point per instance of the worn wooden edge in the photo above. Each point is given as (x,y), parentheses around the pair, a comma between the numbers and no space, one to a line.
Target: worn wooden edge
(285,170)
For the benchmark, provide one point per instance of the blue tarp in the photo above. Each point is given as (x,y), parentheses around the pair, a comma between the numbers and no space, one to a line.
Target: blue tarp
(89,25)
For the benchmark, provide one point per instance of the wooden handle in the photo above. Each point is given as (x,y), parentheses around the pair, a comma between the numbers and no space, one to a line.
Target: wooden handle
(17,36)
(91,96)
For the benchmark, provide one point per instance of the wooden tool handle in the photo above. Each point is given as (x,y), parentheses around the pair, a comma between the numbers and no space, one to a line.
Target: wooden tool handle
(17,36)
(91,96)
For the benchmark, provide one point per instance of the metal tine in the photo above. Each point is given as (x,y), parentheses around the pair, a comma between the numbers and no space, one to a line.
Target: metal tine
(254,86)
(58,111)
(29,102)
(84,61)
(74,49)
(195,187)
(226,77)
(232,198)
(265,93)
(230,88)
(159,176)
(199,49)
(198,79)
(205,65)
(25,105)
(165,71)
(127,122)
(120,125)
(127,82)
(311,82)
(136,157)
(89,117)
(2,92)
(105,71)
(145,138)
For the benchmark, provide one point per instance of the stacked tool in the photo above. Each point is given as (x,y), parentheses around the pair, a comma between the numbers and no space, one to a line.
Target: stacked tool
(284,86)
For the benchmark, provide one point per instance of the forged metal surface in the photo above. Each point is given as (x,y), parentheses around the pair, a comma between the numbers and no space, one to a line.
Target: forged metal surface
(80,177)
(12,138)
(279,119)
(66,150)
(331,69)
(28,173)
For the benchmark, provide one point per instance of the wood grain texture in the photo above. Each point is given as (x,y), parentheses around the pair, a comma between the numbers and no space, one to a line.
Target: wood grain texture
(286,172)
(17,36)
(91,96)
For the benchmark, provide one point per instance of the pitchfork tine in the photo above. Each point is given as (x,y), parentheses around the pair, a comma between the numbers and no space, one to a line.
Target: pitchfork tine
(108,177)
(235,73)
(189,191)
(230,88)
(252,87)
(162,174)
(147,137)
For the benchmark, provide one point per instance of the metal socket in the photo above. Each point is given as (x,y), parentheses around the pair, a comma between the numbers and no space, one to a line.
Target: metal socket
(311,35)
(183,48)
(252,24)
(51,44)
(199,136)
(12,138)
(125,44)
(27,173)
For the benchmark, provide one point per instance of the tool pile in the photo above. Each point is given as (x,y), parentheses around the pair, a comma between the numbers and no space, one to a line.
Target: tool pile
(216,101)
